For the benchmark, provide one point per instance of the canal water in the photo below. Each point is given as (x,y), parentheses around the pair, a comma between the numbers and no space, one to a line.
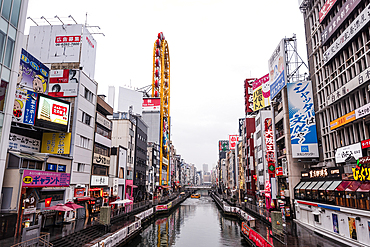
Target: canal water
(196,222)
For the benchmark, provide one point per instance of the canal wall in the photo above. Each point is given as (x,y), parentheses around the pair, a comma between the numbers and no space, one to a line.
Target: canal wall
(127,233)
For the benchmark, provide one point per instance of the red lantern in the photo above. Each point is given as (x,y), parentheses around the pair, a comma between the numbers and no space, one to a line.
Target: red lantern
(157,52)
(156,73)
(156,94)
(158,43)
(156,84)
(157,62)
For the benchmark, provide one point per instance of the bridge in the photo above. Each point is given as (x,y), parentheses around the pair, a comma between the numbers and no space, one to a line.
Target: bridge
(197,187)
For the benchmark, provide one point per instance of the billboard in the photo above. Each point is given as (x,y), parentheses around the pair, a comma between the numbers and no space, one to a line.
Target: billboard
(223,146)
(302,120)
(354,150)
(325,9)
(151,104)
(23,143)
(24,109)
(35,178)
(63,83)
(52,113)
(55,44)
(261,92)
(277,65)
(56,143)
(349,117)
(248,95)
(32,75)
(88,53)
(270,146)
(233,140)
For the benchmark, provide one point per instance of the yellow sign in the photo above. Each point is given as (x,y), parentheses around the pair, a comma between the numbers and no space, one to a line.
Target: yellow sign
(349,117)
(258,99)
(361,174)
(56,143)
(27,179)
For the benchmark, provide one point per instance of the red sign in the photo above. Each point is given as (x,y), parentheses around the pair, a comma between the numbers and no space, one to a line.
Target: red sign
(59,76)
(48,202)
(161,207)
(151,104)
(258,239)
(364,160)
(325,9)
(90,43)
(59,110)
(365,144)
(257,83)
(270,147)
(279,171)
(79,192)
(67,39)
(233,139)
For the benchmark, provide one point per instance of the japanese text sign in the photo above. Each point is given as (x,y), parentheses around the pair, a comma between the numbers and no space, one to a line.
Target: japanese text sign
(365,143)
(343,153)
(276,66)
(223,146)
(361,174)
(67,39)
(248,95)
(64,83)
(56,143)
(233,139)
(34,178)
(151,104)
(99,180)
(325,9)
(53,111)
(362,111)
(356,25)
(24,109)
(261,92)
(270,145)
(23,143)
(302,120)
(343,120)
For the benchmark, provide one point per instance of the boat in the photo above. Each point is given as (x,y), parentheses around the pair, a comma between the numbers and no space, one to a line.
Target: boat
(195,196)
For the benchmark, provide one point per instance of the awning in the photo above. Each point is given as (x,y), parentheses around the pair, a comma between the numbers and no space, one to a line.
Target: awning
(318,185)
(325,185)
(334,185)
(353,186)
(311,186)
(299,185)
(343,185)
(305,185)
(26,156)
(365,187)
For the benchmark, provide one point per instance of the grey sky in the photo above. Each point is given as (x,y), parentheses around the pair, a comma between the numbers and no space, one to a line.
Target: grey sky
(214,45)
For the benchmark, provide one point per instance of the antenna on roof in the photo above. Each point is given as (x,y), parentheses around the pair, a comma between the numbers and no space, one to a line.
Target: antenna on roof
(59,19)
(32,20)
(70,16)
(42,17)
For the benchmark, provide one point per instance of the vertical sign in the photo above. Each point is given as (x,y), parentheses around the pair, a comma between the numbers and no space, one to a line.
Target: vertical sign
(302,120)
(248,95)
(277,66)
(241,124)
(233,139)
(261,92)
(270,146)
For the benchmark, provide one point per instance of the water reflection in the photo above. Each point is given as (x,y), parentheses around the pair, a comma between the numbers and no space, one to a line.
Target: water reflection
(196,222)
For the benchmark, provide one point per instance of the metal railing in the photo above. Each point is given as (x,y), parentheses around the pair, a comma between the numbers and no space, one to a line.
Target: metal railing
(42,241)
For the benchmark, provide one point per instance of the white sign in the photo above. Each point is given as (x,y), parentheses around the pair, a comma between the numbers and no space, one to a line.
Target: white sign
(343,153)
(100,119)
(23,143)
(362,111)
(356,25)
(88,53)
(233,140)
(64,83)
(99,180)
(115,187)
(360,79)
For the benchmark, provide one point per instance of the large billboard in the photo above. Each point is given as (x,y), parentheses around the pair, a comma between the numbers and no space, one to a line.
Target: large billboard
(151,104)
(34,178)
(33,75)
(88,53)
(64,83)
(24,109)
(56,143)
(56,44)
(52,113)
(277,69)
(261,92)
(302,120)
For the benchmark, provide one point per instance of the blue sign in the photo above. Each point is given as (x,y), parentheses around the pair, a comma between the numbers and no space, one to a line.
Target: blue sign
(302,120)
(61,168)
(51,167)
(277,85)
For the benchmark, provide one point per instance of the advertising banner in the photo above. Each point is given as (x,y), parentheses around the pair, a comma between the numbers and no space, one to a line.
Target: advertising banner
(356,25)
(23,143)
(302,120)
(270,145)
(223,146)
(349,117)
(365,143)
(261,93)
(64,83)
(343,153)
(56,143)
(151,104)
(101,159)
(99,180)
(88,53)
(338,19)
(277,65)
(241,125)
(362,111)
(352,228)
(53,111)
(34,178)
(56,44)
(25,103)
(33,75)
(248,95)
(233,140)
(325,9)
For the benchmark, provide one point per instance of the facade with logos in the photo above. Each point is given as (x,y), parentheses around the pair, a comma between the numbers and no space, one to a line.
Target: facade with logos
(101,184)
(153,169)
(336,38)
(250,172)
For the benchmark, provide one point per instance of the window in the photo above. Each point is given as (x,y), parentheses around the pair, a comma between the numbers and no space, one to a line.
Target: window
(62,168)
(100,170)
(317,218)
(86,118)
(103,132)
(9,52)
(88,95)
(84,142)
(31,164)
(80,167)
(15,12)
(100,149)
(6,9)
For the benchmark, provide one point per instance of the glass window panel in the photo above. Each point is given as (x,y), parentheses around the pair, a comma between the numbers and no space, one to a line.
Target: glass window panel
(12,33)
(5,74)
(3,25)
(39,165)
(9,52)
(15,12)
(6,9)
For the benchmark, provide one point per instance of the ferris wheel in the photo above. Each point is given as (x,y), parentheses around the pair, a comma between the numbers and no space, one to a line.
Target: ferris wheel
(161,89)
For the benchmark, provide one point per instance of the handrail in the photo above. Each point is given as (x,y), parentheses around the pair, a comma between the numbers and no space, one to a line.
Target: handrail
(43,240)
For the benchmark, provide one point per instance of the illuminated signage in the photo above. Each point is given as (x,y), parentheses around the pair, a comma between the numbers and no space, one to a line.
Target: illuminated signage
(270,146)
(233,139)
(361,174)
(365,144)
(56,143)
(343,120)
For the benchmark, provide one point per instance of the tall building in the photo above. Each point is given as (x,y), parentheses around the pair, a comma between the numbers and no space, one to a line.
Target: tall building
(337,38)
(205,167)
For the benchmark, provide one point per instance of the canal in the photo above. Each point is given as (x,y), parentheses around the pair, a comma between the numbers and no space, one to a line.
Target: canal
(196,222)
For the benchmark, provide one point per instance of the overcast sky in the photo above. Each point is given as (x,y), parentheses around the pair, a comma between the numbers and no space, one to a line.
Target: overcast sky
(214,45)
